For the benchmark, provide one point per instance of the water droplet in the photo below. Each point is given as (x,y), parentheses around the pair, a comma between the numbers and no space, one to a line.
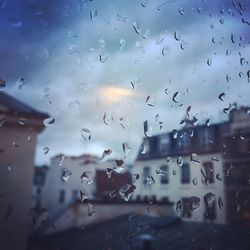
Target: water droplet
(101,43)
(83,195)
(177,35)
(20,83)
(46,150)
(176,94)
(165,51)
(162,170)
(209,62)
(218,177)
(136,27)
(178,206)
(195,158)
(213,158)
(87,177)
(221,96)
(121,18)
(144,4)
(122,44)
(168,159)
(62,156)
(66,174)
(126,149)
(126,191)
(160,39)
(174,171)
(135,177)
(48,121)
(195,203)
(195,181)
(181,10)
(74,105)
(175,134)
(103,58)
(209,199)
(72,34)
(93,15)
(232,38)
(179,161)
(2,83)
(105,153)
(149,181)
(9,167)
(220,203)
(15,22)
(85,134)
(161,6)
(146,34)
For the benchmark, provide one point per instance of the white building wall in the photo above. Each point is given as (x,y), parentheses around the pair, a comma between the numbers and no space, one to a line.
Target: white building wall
(175,190)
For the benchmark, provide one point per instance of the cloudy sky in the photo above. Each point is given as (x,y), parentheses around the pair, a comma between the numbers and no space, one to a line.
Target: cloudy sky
(83,59)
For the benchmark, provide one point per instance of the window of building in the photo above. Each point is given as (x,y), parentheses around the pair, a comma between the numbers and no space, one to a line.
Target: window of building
(61,196)
(186,208)
(164,173)
(208,172)
(146,173)
(185,173)
(164,143)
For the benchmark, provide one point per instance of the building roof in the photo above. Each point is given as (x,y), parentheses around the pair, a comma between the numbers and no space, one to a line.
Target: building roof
(127,232)
(14,106)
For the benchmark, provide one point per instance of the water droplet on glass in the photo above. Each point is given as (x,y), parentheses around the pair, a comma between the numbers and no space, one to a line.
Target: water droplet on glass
(46,150)
(178,206)
(195,203)
(83,195)
(162,170)
(195,181)
(181,10)
(105,153)
(15,22)
(48,121)
(20,83)
(126,191)
(209,62)
(165,51)
(122,44)
(136,27)
(93,15)
(103,58)
(177,35)
(135,177)
(220,203)
(175,134)
(176,94)
(66,174)
(85,134)
(160,39)
(9,167)
(209,199)
(174,171)
(232,38)
(218,177)
(72,34)
(149,181)
(179,161)
(161,6)
(146,34)
(221,96)
(87,177)
(195,158)
(62,156)
(126,149)
(101,43)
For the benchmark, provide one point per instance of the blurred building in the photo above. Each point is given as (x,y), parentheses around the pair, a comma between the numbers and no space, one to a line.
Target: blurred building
(38,185)
(75,183)
(19,126)
(199,168)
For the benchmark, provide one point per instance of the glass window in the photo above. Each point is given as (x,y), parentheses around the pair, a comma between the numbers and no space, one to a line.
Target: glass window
(185,173)
(208,172)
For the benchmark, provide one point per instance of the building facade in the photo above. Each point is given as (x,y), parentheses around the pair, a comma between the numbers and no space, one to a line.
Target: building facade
(189,167)
(19,126)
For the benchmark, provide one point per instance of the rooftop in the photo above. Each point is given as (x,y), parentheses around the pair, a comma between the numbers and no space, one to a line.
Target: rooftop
(127,232)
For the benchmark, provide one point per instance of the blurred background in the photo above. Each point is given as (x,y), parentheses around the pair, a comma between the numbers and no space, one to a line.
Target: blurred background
(124,124)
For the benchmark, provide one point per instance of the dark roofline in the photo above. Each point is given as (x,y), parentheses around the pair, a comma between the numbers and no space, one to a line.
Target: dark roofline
(15,106)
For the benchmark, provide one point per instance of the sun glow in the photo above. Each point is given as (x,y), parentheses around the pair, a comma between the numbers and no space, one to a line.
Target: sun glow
(115,94)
